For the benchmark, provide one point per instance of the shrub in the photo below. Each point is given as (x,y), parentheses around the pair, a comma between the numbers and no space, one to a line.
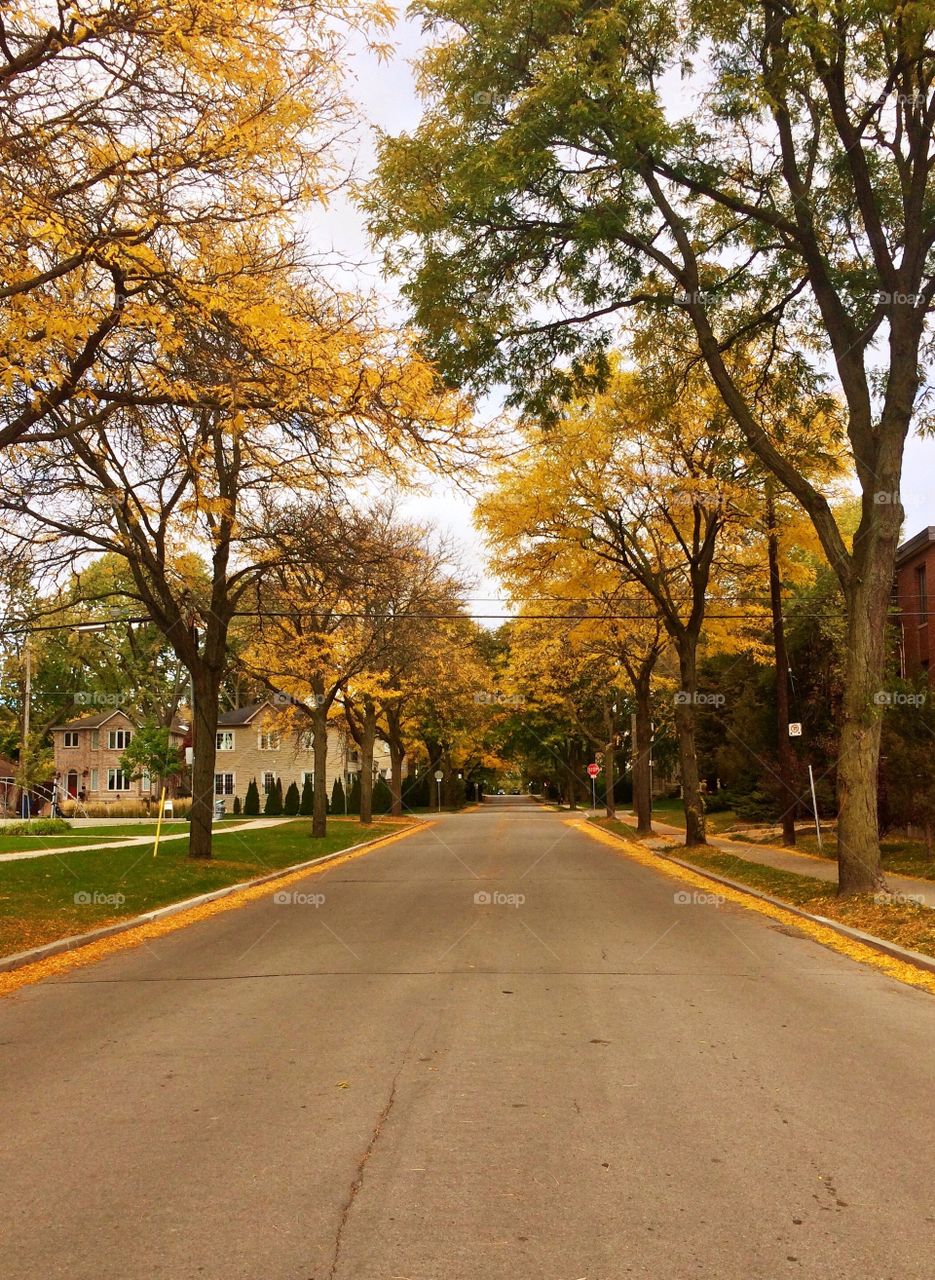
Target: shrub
(251,804)
(37,827)
(291,803)
(337,797)
(122,809)
(273,806)
(237,806)
(353,796)
(307,803)
(382,799)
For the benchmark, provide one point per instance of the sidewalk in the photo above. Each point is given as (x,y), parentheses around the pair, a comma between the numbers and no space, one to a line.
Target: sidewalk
(25,854)
(768,855)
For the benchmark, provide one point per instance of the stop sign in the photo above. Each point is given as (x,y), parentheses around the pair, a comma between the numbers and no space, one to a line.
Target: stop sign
(593,770)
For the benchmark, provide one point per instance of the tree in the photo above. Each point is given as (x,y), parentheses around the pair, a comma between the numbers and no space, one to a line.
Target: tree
(272,808)
(135,137)
(382,800)
(353,798)
(292,801)
(337,797)
(151,754)
(251,804)
(555,191)
(307,802)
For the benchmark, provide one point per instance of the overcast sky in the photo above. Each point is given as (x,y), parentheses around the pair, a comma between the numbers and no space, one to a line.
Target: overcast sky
(386,94)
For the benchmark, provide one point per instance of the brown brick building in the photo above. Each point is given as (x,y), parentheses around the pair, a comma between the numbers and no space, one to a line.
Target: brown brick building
(87,758)
(915,580)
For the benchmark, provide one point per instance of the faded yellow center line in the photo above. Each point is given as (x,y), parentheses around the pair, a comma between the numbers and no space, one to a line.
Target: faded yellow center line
(854,950)
(55,966)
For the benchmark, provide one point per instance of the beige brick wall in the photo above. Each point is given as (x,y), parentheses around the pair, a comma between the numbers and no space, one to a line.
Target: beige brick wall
(290,762)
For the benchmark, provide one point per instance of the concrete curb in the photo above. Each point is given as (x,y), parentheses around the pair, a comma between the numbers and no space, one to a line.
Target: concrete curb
(61,945)
(855,935)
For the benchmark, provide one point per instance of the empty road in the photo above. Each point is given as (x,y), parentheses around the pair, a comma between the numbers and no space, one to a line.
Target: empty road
(495,1050)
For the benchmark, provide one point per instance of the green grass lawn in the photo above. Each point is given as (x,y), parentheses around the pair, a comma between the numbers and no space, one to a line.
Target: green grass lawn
(672,812)
(37,896)
(900,856)
(86,835)
(906,923)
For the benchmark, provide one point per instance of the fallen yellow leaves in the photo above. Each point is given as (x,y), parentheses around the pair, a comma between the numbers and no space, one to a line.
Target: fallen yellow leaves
(56,966)
(854,950)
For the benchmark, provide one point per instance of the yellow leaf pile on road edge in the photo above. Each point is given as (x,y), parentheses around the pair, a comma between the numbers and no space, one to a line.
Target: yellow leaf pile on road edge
(56,966)
(849,947)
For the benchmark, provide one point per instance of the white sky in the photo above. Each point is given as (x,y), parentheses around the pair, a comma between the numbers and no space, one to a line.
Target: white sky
(386,94)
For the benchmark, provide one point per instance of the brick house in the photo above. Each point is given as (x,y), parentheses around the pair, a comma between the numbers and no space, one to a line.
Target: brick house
(915,571)
(87,758)
(251,743)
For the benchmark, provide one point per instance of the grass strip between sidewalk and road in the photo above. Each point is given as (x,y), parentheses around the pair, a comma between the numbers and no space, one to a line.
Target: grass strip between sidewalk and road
(906,924)
(45,899)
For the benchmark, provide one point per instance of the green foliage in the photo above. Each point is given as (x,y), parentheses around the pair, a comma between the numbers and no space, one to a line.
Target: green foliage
(382,799)
(273,806)
(237,806)
(251,804)
(337,797)
(292,801)
(353,795)
(38,827)
(307,802)
(150,752)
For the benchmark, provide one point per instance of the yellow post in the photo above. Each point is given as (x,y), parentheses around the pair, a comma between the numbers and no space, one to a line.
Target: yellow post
(162,805)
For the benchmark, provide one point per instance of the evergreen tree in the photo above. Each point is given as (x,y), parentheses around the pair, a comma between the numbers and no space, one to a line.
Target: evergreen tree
(291,802)
(308,798)
(337,797)
(236,805)
(382,799)
(273,806)
(251,804)
(353,796)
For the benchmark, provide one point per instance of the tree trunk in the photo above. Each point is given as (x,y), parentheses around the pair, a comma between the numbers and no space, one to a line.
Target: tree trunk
(610,773)
(205,688)
(859,866)
(320,794)
(785,753)
(642,755)
(685,703)
(367,738)
(574,764)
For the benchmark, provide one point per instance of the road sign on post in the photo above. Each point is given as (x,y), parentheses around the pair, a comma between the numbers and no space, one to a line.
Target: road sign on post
(795,729)
(593,770)
(438,780)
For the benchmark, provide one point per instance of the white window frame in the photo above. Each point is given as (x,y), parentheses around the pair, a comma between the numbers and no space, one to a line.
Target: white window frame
(146,782)
(70,738)
(225,740)
(272,782)
(119,739)
(225,784)
(307,776)
(116,775)
(269,740)
(93,780)
(95,739)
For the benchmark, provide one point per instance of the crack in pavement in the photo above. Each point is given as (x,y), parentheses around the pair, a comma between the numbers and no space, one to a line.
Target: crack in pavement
(358,1179)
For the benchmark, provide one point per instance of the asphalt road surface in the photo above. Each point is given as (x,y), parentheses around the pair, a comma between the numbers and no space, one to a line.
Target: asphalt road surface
(570,1077)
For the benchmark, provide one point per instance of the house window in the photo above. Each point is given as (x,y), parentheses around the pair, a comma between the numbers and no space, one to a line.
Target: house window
(353,757)
(119,739)
(118,780)
(146,782)
(270,741)
(922,595)
(225,740)
(223,784)
(70,738)
(95,739)
(93,779)
(307,740)
(268,782)
(308,778)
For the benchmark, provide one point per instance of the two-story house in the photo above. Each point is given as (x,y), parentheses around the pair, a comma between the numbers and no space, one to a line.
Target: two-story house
(87,758)
(252,744)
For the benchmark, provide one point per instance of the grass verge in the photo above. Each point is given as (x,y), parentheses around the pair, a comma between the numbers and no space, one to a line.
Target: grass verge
(906,923)
(44,899)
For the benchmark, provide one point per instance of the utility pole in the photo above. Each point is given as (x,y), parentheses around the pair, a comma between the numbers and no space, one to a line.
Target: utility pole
(24,753)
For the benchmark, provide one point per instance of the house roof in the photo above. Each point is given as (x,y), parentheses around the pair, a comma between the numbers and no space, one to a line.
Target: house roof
(917,543)
(96,722)
(242,715)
